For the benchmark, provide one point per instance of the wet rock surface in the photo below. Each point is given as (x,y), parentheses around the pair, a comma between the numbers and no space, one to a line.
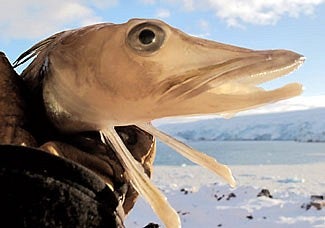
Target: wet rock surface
(265,192)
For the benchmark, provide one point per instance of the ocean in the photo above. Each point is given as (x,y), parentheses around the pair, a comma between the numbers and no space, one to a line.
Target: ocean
(247,152)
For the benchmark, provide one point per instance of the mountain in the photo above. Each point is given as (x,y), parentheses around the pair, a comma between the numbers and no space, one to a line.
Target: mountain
(306,126)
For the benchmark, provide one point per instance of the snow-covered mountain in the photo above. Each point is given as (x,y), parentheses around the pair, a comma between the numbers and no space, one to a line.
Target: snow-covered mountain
(306,125)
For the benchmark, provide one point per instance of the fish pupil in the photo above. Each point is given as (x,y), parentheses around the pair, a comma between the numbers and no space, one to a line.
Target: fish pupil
(147,36)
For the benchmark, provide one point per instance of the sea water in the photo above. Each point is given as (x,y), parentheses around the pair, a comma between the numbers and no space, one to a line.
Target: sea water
(247,152)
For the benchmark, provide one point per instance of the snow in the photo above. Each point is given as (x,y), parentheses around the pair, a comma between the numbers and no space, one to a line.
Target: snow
(203,200)
(303,125)
(298,103)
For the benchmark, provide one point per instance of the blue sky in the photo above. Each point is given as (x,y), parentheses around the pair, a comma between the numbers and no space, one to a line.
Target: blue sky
(297,25)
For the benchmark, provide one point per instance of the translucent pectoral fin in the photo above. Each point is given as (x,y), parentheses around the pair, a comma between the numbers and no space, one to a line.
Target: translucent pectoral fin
(193,155)
(141,182)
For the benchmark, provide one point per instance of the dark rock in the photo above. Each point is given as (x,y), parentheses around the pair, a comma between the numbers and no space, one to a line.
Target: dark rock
(317,197)
(307,206)
(185,191)
(231,195)
(317,201)
(265,192)
(183,213)
(318,205)
(220,225)
(219,197)
(249,217)
(152,225)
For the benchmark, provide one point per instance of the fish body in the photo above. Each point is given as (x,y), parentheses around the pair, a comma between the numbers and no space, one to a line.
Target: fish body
(107,75)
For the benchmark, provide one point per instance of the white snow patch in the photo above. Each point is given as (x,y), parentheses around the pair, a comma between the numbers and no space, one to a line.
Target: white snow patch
(202,201)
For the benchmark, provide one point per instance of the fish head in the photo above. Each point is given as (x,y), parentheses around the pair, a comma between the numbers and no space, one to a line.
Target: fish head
(169,73)
(141,70)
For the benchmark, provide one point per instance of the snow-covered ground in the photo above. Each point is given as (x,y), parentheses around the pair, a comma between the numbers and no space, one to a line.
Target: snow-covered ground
(203,200)
(302,125)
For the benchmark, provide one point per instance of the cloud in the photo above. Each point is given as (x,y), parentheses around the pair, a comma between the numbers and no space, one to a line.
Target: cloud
(190,4)
(292,104)
(240,12)
(37,18)
(163,13)
(204,29)
(103,3)
(149,2)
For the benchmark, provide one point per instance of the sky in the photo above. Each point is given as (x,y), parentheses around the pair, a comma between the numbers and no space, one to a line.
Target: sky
(297,25)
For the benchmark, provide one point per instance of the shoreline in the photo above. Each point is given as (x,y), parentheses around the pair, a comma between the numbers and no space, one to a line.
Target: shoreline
(306,176)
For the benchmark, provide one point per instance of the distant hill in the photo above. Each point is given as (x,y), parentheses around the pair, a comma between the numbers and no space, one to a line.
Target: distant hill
(306,126)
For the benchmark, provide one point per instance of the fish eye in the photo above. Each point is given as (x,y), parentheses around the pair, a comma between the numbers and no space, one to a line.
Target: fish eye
(146,38)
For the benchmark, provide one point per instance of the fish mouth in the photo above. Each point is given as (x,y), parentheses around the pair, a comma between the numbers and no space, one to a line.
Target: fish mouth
(240,74)
(231,85)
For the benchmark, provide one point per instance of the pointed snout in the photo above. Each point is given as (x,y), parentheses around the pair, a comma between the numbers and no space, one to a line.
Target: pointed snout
(214,62)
